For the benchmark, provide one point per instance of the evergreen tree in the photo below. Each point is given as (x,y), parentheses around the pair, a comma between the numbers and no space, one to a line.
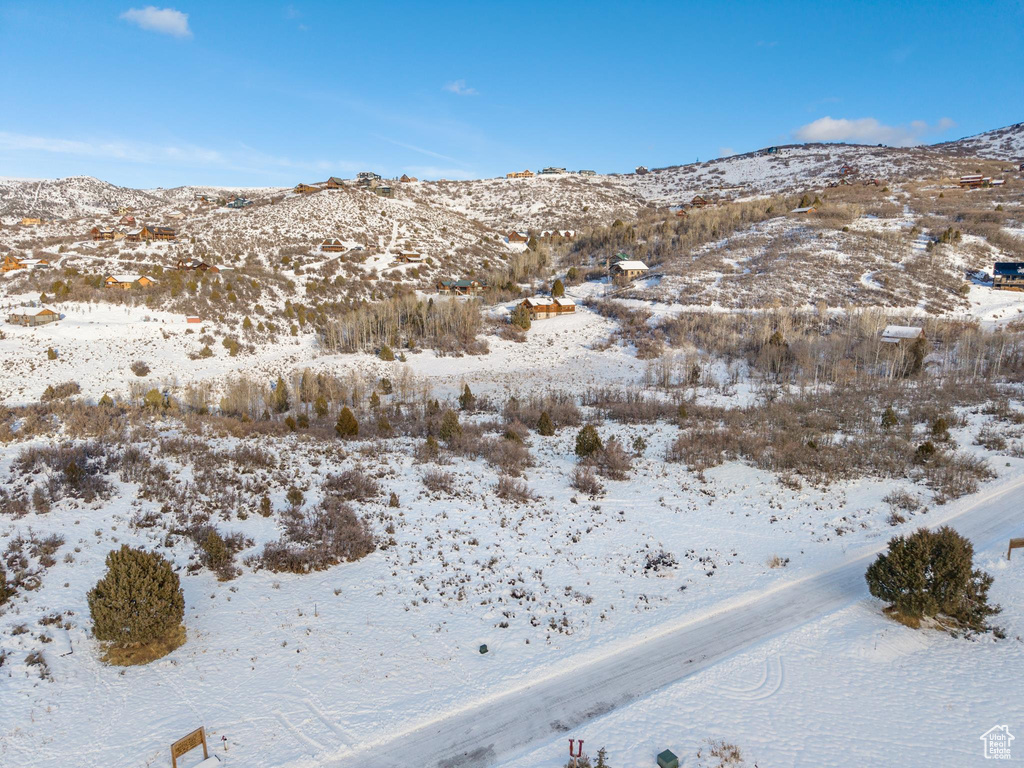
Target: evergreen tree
(280,398)
(931,573)
(106,401)
(558,289)
(138,600)
(393,501)
(588,442)
(450,427)
(374,400)
(889,418)
(602,759)
(467,400)
(347,426)
(320,406)
(545,426)
(520,318)
(6,592)
(386,353)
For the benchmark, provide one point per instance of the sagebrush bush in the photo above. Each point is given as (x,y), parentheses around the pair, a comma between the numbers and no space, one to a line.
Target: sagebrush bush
(138,600)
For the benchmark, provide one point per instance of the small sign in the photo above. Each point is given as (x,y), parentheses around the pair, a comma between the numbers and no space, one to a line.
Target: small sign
(1014,544)
(188,743)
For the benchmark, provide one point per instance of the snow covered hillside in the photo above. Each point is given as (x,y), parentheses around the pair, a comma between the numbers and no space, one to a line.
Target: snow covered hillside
(1001,144)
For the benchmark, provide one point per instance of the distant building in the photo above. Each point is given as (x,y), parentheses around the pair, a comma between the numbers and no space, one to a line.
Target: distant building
(551,170)
(240,202)
(518,237)
(101,233)
(334,183)
(541,307)
(410,257)
(588,173)
(384,191)
(332,245)
(772,151)
(630,268)
(641,170)
(460,287)
(125,282)
(31,316)
(973,180)
(527,174)
(551,234)
(157,233)
(1008,276)
(406,179)
(808,209)
(127,220)
(195,265)
(898,334)
(305,189)
(31,221)
(176,215)
(699,201)
(11,263)
(368,176)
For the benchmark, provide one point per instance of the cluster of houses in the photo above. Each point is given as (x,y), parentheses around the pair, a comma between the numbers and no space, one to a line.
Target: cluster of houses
(550,170)
(543,235)
(976,180)
(11,263)
(364,180)
(144,234)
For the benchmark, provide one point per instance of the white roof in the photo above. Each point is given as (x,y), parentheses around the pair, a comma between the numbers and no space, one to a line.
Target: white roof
(564,302)
(894,333)
(631,264)
(801,210)
(539,301)
(131,278)
(26,310)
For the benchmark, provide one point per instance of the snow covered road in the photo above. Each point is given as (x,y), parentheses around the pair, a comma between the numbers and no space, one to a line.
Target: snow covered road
(506,724)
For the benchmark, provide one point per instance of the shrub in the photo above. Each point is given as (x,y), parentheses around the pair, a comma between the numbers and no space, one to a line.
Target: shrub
(346,426)
(295,497)
(612,460)
(331,535)
(60,391)
(584,479)
(588,442)
(931,573)
(6,592)
(513,490)
(467,400)
(437,481)
(138,601)
(51,353)
(558,289)
(386,353)
(545,427)
(351,485)
(139,368)
(393,501)
(889,418)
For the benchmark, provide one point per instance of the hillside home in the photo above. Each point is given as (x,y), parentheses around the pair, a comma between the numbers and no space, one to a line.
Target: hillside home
(127,220)
(899,334)
(518,237)
(334,183)
(772,151)
(125,282)
(699,202)
(133,236)
(121,210)
(527,174)
(630,269)
(997,182)
(808,209)
(551,234)
(405,178)
(101,233)
(383,191)
(30,316)
(157,233)
(176,215)
(973,180)
(367,176)
(410,257)
(240,202)
(460,287)
(120,234)
(31,221)
(588,173)
(641,170)
(11,263)
(1008,276)
(333,245)
(541,307)
(552,170)
(195,265)
(305,189)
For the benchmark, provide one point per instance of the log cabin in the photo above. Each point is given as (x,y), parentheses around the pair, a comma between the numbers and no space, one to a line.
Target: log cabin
(30,316)
(125,282)
(541,307)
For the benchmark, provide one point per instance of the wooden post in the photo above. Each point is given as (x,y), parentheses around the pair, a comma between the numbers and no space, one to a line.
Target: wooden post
(1014,544)
(187,743)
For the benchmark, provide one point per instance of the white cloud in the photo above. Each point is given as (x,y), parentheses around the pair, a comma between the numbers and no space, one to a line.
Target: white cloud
(458,87)
(167,21)
(868,130)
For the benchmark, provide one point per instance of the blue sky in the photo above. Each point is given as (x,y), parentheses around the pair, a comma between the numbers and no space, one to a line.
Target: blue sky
(258,93)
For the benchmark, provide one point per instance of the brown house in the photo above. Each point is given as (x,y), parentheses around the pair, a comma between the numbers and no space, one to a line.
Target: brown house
(541,307)
(410,257)
(333,183)
(333,245)
(305,189)
(11,263)
(194,265)
(101,233)
(31,221)
(699,202)
(518,237)
(32,316)
(630,268)
(408,178)
(125,282)
(127,220)
(157,233)
(460,287)
(527,174)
